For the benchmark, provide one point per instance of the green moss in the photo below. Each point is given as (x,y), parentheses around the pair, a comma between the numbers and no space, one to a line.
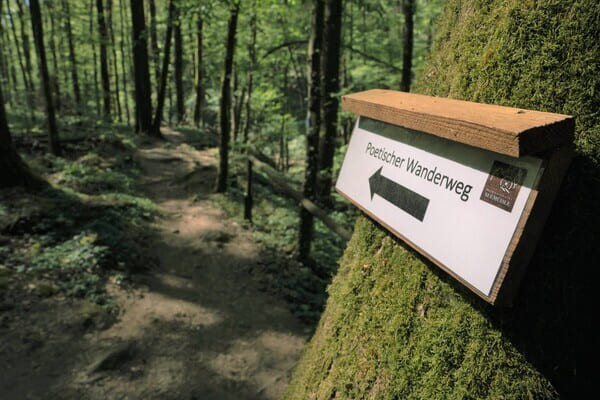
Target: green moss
(393,329)
(396,327)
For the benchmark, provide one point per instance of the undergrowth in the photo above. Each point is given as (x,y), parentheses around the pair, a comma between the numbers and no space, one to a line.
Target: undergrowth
(91,225)
(275,220)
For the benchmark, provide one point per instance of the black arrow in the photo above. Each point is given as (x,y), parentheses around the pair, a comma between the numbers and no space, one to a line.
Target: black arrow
(402,197)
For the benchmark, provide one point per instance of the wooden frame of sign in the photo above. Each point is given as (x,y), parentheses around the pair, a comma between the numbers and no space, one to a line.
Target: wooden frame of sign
(504,130)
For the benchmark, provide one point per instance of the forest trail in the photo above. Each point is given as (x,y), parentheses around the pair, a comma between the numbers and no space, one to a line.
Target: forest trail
(196,326)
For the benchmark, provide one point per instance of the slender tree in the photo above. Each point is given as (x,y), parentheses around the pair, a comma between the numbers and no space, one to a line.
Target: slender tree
(95,58)
(199,73)
(72,54)
(103,35)
(158,115)
(237,105)
(408,11)
(312,136)
(38,36)
(250,79)
(122,42)
(26,46)
(154,41)
(248,197)
(179,67)
(143,104)
(113,47)
(26,82)
(225,100)
(331,86)
(52,42)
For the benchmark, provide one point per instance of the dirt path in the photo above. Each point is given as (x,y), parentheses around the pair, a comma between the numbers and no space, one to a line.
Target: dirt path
(196,327)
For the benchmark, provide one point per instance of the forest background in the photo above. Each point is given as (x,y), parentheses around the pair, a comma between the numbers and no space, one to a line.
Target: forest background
(240,75)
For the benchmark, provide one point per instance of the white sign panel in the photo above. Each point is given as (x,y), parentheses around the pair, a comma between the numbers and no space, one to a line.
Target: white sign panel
(458,204)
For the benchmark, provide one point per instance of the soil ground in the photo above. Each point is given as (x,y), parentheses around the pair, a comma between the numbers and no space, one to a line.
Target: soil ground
(199,325)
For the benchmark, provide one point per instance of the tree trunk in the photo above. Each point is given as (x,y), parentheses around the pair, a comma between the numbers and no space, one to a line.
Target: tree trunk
(7,72)
(252,57)
(26,47)
(158,115)
(38,36)
(26,82)
(124,62)
(396,326)
(13,171)
(249,195)
(408,10)
(282,140)
(312,136)
(154,42)
(72,55)
(225,101)
(95,59)
(199,72)
(237,107)
(141,70)
(54,78)
(111,34)
(331,86)
(103,35)
(179,69)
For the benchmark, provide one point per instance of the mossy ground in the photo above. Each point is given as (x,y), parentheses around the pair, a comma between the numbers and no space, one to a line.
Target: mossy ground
(395,327)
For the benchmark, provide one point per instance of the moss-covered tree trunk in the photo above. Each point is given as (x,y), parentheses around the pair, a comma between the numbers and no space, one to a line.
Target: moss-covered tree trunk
(395,326)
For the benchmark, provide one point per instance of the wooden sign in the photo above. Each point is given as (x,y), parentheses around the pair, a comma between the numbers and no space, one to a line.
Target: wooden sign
(468,185)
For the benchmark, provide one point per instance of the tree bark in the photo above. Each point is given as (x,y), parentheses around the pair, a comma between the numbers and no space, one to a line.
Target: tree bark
(312,136)
(26,83)
(38,36)
(225,101)
(141,70)
(111,35)
(122,43)
(158,115)
(199,81)
(13,171)
(72,55)
(54,78)
(26,47)
(103,35)
(331,86)
(154,42)
(95,59)
(408,10)
(179,68)
(248,195)
(252,57)
(237,106)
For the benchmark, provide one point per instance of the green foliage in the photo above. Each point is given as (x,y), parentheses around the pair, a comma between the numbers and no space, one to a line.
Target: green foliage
(76,263)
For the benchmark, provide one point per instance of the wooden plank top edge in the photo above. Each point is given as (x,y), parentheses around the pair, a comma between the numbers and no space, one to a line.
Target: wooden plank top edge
(506,130)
